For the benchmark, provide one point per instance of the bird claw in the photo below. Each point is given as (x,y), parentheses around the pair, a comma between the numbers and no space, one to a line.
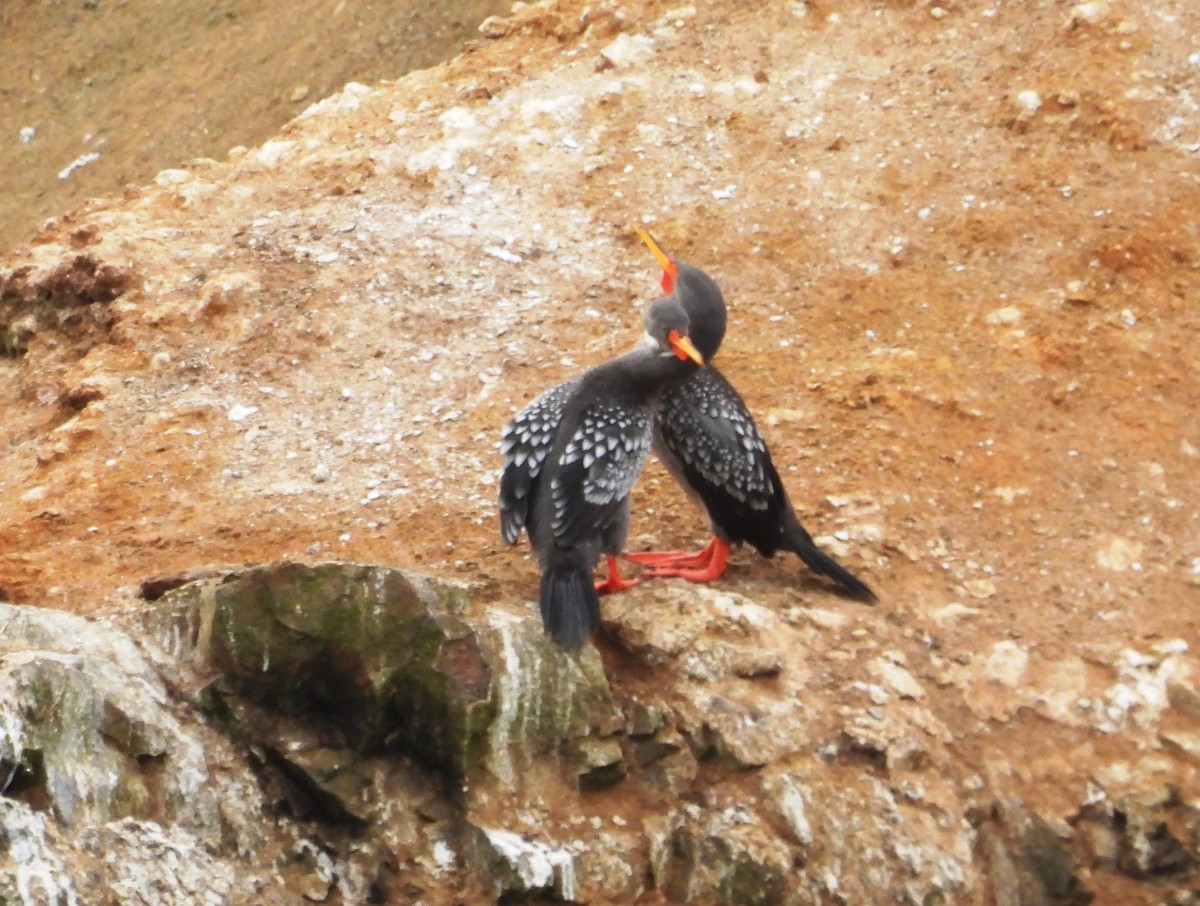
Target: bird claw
(614,582)
(611,585)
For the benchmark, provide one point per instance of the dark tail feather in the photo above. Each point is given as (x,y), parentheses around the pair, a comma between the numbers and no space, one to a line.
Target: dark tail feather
(570,605)
(800,543)
(820,562)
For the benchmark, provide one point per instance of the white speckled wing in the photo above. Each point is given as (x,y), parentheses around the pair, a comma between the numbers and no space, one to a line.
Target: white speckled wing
(599,467)
(707,428)
(525,444)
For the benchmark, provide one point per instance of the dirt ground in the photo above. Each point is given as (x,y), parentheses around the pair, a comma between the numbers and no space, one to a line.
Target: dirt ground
(960,248)
(149,86)
(1014,388)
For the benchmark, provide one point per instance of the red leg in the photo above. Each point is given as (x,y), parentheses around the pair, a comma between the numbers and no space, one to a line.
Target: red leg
(704,566)
(675,559)
(614,582)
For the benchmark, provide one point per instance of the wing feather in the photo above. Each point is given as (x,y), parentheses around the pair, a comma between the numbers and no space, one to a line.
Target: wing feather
(598,468)
(705,424)
(525,444)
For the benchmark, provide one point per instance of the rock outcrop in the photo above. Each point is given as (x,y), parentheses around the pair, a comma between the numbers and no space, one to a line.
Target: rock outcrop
(112,793)
(292,732)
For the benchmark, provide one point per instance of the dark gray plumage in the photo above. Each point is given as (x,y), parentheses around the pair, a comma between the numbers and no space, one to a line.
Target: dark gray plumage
(571,458)
(707,439)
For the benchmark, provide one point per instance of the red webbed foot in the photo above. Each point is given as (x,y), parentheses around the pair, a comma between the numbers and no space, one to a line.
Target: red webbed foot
(705,565)
(614,582)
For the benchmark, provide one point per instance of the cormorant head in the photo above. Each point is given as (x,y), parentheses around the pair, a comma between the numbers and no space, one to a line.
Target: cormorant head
(699,295)
(666,326)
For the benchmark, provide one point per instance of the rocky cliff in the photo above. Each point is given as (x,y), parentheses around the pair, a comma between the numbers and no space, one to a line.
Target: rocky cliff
(264,645)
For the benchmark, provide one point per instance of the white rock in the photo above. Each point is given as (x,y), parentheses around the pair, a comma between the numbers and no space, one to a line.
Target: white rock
(536,865)
(240,412)
(1028,103)
(1120,555)
(495,27)
(503,254)
(272,152)
(460,119)
(1094,12)
(1010,314)
(743,612)
(826,619)
(953,611)
(980,588)
(1008,495)
(33,495)
(1141,692)
(897,678)
(349,98)
(791,805)
(444,856)
(680,12)
(81,161)
(1006,664)
(628,50)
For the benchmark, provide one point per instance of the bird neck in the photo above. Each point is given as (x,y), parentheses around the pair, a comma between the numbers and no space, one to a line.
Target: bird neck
(707,333)
(640,375)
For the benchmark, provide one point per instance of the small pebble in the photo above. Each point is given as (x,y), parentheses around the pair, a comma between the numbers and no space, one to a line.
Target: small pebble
(502,254)
(1028,103)
(1094,12)
(1006,316)
(240,413)
(627,50)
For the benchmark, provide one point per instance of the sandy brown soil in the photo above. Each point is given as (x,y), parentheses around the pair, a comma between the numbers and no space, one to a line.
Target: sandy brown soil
(967,323)
(148,86)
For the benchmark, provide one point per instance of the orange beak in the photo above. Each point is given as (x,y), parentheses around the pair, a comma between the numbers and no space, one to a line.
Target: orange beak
(683,347)
(670,268)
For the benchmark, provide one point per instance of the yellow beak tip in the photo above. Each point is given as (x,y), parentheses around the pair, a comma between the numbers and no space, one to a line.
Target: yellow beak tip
(663,259)
(685,346)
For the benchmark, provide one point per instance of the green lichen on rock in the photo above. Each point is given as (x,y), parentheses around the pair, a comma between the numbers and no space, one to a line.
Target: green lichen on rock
(390,659)
(380,653)
(545,696)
